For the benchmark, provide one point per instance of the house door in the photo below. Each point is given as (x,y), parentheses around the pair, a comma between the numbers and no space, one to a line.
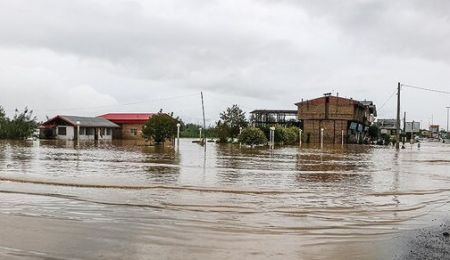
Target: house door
(96,134)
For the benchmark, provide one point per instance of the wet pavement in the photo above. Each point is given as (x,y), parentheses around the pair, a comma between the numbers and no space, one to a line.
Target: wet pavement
(117,200)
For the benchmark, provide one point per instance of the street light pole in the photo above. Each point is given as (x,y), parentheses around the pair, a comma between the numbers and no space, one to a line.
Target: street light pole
(78,132)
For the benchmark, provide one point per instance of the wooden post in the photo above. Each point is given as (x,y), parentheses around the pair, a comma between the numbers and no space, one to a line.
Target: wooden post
(342,137)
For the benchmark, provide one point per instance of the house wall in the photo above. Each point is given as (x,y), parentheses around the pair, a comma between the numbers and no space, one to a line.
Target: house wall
(132,131)
(332,108)
(332,131)
(69,132)
(333,114)
(105,136)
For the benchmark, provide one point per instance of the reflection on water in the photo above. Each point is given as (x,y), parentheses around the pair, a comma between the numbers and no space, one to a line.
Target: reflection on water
(117,200)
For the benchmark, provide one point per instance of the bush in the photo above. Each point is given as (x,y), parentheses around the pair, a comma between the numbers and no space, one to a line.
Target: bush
(292,135)
(160,127)
(252,136)
(280,135)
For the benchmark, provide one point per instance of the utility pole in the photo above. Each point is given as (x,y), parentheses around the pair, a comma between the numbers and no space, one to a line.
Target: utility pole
(447,118)
(203,110)
(397,144)
(404,122)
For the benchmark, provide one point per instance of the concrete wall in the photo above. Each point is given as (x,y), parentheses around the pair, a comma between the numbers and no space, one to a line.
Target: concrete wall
(70,132)
(102,134)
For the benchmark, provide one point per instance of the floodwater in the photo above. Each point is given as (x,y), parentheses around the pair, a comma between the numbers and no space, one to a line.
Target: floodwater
(119,201)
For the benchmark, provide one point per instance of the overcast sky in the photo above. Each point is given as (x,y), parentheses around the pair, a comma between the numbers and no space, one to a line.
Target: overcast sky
(90,57)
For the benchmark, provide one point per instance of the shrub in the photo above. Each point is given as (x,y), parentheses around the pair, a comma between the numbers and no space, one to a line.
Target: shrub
(252,136)
(292,135)
(280,135)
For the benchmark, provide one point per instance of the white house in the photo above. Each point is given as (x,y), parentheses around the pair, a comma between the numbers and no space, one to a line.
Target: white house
(67,128)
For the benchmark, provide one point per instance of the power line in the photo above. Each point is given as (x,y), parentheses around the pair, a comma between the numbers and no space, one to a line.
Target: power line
(389,98)
(427,89)
(121,104)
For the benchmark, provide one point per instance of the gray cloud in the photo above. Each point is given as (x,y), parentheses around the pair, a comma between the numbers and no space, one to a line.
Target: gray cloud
(256,53)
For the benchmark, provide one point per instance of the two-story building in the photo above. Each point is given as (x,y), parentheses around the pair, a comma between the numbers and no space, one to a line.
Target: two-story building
(340,118)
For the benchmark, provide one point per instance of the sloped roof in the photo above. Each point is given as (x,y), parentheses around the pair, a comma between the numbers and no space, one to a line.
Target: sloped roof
(128,117)
(83,121)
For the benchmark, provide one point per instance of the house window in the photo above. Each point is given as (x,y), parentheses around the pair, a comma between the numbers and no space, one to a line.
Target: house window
(133,131)
(62,130)
(89,131)
(108,131)
(82,131)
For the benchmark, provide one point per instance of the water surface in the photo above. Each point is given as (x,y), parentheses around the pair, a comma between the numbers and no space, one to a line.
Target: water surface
(118,200)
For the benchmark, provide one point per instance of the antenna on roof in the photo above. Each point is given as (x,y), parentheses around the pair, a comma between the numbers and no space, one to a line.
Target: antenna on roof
(327,94)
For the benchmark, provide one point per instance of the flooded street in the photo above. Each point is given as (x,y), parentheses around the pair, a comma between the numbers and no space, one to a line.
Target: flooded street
(117,200)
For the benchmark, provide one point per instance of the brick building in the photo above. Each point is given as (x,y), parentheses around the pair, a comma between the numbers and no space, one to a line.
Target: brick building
(130,124)
(335,114)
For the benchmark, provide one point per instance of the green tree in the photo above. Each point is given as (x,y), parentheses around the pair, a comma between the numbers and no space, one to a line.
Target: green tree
(252,136)
(280,135)
(234,118)
(222,131)
(21,126)
(374,131)
(3,121)
(160,127)
(292,135)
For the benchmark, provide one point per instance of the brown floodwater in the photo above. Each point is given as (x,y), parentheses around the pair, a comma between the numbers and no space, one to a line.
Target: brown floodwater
(121,201)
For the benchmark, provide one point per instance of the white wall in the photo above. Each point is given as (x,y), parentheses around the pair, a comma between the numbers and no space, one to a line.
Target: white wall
(69,133)
(92,136)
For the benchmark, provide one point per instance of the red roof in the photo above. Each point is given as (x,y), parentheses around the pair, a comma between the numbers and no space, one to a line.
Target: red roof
(128,118)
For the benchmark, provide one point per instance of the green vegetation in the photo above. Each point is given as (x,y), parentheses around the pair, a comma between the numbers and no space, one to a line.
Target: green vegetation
(292,135)
(193,131)
(222,132)
(252,136)
(231,120)
(190,130)
(160,128)
(21,126)
(374,132)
